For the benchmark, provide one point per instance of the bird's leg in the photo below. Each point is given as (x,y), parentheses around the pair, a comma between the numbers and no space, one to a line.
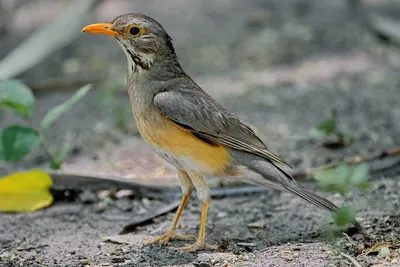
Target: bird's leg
(203,193)
(164,239)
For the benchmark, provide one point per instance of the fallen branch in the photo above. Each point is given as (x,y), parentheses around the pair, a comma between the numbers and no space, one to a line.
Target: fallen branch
(306,174)
(352,259)
(63,181)
(381,26)
(385,28)
(148,218)
(12,246)
(63,83)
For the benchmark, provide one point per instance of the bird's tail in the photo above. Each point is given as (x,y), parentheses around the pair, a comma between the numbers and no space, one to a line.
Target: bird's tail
(276,177)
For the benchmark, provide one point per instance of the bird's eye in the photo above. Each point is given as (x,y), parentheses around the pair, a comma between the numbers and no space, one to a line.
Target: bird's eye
(134,31)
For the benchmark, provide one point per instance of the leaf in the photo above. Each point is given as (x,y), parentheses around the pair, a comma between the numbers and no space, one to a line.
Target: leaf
(360,175)
(327,126)
(47,39)
(375,249)
(344,216)
(17,97)
(25,191)
(335,179)
(53,114)
(57,161)
(17,141)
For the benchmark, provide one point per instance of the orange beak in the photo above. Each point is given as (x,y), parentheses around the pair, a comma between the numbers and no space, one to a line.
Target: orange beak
(102,28)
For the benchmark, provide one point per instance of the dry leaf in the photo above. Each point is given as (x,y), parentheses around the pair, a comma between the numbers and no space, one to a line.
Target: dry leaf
(376,248)
(25,191)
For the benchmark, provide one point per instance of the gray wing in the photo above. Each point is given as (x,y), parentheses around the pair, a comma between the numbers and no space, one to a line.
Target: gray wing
(198,113)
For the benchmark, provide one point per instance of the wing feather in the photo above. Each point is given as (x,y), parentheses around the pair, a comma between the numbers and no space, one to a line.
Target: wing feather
(198,113)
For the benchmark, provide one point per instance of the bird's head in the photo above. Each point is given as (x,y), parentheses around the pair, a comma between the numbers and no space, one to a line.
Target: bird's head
(142,38)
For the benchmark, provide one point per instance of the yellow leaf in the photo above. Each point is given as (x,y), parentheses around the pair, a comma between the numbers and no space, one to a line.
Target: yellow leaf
(25,191)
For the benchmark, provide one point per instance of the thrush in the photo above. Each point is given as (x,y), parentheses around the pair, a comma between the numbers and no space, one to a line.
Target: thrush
(188,128)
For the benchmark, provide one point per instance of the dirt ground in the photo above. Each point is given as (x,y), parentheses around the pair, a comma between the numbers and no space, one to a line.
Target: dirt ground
(282,66)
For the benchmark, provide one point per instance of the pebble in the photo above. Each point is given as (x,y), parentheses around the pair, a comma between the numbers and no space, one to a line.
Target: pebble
(243,244)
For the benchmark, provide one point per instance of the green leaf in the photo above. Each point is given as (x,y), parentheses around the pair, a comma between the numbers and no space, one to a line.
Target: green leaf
(55,164)
(327,126)
(360,175)
(17,141)
(25,191)
(344,216)
(53,114)
(335,179)
(17,97)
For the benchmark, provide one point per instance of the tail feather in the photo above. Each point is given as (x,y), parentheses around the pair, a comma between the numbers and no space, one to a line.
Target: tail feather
(318,201)
(293,186)
(273,174)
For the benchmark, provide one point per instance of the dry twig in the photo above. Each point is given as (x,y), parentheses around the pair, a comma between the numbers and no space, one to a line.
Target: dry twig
(305,174)
(352,259)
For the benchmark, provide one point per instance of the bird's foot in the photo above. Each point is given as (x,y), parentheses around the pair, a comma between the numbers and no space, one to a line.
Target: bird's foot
(165,238)
(195,247)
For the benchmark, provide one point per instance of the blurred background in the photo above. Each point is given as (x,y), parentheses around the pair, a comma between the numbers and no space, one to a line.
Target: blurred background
(282,66)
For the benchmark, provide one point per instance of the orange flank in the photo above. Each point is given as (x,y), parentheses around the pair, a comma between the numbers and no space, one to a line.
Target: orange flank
(181,148)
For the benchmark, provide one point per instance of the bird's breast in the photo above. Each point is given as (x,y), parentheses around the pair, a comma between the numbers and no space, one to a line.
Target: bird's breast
(181,148)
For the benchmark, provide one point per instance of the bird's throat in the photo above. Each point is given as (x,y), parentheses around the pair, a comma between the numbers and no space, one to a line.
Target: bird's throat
(136,62)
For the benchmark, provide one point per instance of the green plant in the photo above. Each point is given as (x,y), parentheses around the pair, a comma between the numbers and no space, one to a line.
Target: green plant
(343,179)
(329,128)
(17,141)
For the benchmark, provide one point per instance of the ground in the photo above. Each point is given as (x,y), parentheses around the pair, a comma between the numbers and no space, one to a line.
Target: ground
(282,66)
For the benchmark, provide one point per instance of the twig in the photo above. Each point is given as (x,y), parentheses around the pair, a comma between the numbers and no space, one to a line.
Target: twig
(384,28)
(148,218)
(71,181)
(304,174)
(12,246)
(63,83)
(32,247)
(352,259)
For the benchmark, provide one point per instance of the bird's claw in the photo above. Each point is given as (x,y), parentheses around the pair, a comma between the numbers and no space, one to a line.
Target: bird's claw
(165,238)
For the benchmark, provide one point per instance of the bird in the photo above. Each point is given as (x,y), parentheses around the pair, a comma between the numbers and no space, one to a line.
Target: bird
(188,128)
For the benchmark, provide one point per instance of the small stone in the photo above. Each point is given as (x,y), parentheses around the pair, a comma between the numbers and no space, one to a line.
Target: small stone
(222,215)
(384,252)
(103,194)
(84,262)
(87,196)
(124,193)
(259,224)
